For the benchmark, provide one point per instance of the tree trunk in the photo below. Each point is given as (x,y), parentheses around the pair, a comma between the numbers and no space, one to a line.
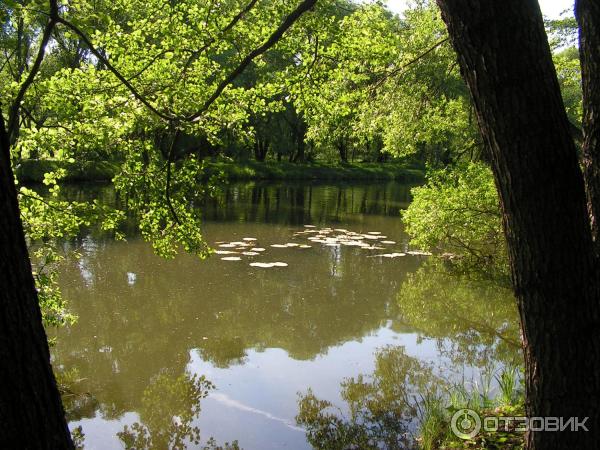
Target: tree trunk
(300,136)
(505,59)
(261,148)
(343,151)
(31,413)
(256,150)
(588,17)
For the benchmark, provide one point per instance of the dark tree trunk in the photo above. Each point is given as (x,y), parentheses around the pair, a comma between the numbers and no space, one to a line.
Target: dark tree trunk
(506,62)
(301,146)
(343,151)
(298,128)
(256,150)
(300,150)
(380,156)
(31,413)
(588,17)
(261,148)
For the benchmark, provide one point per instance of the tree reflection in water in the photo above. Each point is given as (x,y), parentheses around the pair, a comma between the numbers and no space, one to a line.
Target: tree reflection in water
(381,406)
(473,319)
(169,406)
(473,323)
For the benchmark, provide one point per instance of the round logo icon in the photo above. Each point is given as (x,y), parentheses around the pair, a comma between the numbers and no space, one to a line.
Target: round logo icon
(465,424)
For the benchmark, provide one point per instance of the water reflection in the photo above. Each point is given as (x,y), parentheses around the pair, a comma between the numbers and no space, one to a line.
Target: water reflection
(473,320)
(149,329)
(305,203)
(381,406)
(168,407)
(474,325)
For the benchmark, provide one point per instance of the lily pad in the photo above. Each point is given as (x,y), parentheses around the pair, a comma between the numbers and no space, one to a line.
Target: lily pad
(268,265)
(390,255)
(419,253)
(261,265)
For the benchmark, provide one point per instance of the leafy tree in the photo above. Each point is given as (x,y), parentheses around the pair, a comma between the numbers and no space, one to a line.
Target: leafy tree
(457,214)
(381,83)
(29,398)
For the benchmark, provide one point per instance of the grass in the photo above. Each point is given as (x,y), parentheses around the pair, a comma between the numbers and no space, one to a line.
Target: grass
(434,421)
(32,171)
(436,411)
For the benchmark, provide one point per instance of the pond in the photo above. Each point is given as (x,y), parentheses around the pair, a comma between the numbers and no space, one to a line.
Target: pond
(169,353)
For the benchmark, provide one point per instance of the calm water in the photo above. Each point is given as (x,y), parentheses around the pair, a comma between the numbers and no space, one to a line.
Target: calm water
(149,328)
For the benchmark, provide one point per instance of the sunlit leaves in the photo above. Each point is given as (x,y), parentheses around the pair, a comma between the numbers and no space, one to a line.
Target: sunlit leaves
(389,81)
(165,209)
(457,212)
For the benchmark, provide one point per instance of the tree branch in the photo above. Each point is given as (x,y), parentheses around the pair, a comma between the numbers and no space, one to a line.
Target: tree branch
(273,39)
(212,40)
(168,183)
(304,6)
(114,71)
(13,117)
(402,69)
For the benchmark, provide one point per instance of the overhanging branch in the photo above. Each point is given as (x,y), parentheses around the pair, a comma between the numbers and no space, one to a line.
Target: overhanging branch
(273,39)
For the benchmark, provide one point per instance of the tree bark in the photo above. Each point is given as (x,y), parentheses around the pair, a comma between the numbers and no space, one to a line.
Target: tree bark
(588,17)
(300,138)
(31,413)
(261,148)
(342,150)
(506,61)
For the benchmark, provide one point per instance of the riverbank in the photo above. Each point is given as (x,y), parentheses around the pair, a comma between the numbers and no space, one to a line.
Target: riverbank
(317,171)
(32,171)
